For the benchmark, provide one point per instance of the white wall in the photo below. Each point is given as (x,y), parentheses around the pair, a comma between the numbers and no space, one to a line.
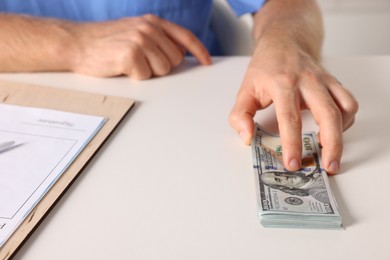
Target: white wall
(352,27)
(356,27)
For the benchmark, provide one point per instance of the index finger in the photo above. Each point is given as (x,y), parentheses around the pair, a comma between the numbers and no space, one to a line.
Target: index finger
(185,38)
(288,114)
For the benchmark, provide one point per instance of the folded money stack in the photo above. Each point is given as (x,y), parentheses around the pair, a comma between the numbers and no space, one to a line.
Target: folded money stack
(301,199)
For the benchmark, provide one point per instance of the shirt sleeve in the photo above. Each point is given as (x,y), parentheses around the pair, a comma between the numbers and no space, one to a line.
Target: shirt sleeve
(241,7)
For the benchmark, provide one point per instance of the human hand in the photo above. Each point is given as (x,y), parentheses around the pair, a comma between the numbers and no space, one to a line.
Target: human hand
(293,81)
(140,47)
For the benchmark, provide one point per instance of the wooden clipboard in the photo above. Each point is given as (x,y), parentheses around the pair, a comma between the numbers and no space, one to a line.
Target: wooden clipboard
(112,108)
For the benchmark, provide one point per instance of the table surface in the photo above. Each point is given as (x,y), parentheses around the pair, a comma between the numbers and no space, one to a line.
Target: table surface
(175,182)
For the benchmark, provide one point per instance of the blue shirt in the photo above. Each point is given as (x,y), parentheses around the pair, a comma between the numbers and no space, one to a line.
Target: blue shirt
(191,14)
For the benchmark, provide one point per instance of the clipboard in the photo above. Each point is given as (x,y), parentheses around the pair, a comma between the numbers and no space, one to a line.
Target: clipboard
(114,109)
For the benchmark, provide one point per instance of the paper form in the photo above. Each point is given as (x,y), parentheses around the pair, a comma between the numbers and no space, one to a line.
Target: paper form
(45,143)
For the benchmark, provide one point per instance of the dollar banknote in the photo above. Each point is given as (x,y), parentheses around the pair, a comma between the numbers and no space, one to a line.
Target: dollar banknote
(299,199)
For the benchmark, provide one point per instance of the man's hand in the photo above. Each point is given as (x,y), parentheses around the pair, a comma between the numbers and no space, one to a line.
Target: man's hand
(285,70)
(293,81)
(140,47)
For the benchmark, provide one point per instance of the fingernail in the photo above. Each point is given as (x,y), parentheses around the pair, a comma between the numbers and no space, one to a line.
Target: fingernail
(294,164)
(334,167)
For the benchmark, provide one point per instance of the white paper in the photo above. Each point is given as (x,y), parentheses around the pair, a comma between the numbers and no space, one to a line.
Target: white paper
(45,143)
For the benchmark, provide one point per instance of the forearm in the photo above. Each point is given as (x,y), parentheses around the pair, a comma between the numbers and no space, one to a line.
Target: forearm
(34,44)
(290,23)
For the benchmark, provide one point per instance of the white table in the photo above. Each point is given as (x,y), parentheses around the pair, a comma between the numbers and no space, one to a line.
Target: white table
(175,181)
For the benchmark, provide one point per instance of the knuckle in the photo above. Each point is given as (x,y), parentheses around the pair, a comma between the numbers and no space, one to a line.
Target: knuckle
(132,55)
(140,38)
(287,79)
(147,28)
(141,74)
(163,69)
(138,20)
(350,106)
(177,59)
(233,118)
(338,145)
(238,118)
(311,77)
(332,112)
(151,17)
(331,79)
(137,36)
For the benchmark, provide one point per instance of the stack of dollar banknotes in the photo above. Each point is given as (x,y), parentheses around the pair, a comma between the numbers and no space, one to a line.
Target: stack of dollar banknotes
(301,199)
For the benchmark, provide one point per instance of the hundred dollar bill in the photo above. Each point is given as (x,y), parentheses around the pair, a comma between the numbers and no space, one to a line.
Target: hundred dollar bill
(301,199)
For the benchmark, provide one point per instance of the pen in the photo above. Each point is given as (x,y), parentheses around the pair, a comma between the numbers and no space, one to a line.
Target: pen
(6,145)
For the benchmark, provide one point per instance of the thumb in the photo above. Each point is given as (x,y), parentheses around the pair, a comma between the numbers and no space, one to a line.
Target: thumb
(241,118)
